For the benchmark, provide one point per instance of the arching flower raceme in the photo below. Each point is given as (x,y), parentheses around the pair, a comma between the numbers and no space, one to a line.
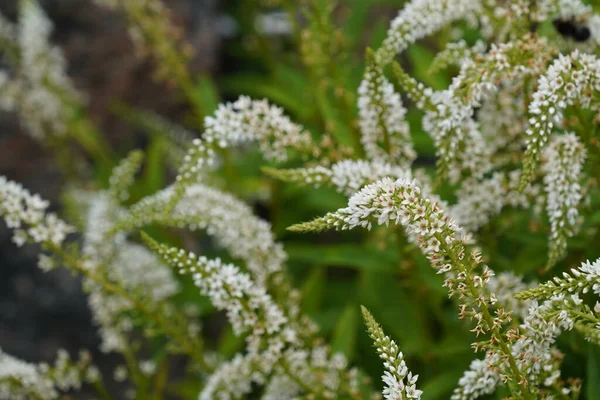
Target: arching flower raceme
(243,121)
(385,133)
(578,280)
(347,176)
(564,158)
(420,18)
(223,216)
(571,79)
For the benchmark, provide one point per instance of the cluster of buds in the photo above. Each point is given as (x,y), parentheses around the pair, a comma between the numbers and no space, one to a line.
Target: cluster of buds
(399,381)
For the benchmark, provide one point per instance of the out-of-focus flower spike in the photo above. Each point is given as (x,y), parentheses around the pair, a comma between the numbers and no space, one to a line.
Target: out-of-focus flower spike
(347,176)
(385,133)
(123,175)
(573,78)
(563,163)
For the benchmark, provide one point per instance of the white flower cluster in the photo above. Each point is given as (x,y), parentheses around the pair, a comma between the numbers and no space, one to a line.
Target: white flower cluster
(541,327)
(347,176)
(131,265)
(223,216)
(505,62)
(401,202)
(457,139)
(242,121)
(20,380)
(564,158)
(480,379)
(399,381)
(385,133)
(293,372)
(420,18)
(533,351)
(39,84)
(480,200)
(505,286)
(502,118)
(248,306)
(27,214)
(577,280)
(571,78)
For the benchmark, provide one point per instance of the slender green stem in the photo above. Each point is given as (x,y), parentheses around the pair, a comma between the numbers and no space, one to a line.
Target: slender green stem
(489,320)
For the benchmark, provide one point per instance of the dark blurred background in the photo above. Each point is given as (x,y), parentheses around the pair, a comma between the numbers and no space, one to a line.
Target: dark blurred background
(40,313)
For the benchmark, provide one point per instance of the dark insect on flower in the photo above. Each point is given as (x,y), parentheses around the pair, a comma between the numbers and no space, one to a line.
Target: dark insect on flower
(569,28)
(565,27)
(582,33)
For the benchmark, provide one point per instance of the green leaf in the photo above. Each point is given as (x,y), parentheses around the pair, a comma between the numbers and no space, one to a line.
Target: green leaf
(441,385)
(344,335)
(344,255)
(312,291)
(207,94)
(593,373)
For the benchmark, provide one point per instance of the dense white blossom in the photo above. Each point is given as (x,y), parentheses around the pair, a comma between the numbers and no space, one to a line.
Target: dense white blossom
(133,266)
(420,18)
(459,144)
(578,280)
(385,133)
(571,78)
(249,307)
(480,379)
(564,159)
(243,121)
(39,84)
(20,380)
(27,215)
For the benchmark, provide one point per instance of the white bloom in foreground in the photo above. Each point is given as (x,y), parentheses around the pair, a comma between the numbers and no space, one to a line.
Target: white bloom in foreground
(564,159)
(399,381)
(27,214)
(582,280)
(400,202)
